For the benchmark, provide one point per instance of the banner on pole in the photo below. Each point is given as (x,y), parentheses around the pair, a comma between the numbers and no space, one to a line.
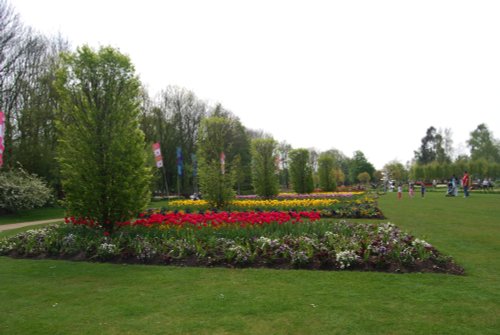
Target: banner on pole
(2,134)
(179,161)
(157,153)
(222,162)
(277,162)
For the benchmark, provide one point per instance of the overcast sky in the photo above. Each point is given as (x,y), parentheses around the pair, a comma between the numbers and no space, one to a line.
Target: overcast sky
(352,75)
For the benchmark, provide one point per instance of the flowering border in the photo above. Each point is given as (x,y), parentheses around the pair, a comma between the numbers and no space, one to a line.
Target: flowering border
(320,244)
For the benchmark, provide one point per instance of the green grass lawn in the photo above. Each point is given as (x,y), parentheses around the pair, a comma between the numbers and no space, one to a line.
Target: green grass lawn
(61,297)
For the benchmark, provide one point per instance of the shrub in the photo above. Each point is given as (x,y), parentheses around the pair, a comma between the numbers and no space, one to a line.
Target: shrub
(20,190)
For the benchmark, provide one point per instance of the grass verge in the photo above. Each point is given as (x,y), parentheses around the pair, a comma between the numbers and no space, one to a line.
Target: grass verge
(61,297)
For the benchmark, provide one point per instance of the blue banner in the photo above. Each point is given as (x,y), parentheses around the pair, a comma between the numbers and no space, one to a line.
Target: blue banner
(179,161)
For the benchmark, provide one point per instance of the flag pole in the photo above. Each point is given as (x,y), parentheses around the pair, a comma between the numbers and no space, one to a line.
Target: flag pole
(165,179)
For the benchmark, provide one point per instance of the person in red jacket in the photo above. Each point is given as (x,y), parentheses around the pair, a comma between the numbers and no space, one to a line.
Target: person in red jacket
(465,184)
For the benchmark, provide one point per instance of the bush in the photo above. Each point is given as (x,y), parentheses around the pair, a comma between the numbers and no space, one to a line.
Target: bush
(20,190)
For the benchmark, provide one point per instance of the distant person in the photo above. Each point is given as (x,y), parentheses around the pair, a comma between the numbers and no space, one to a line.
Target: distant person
(450,192)
(411,190)
(422,189)
(487,184)
(465,183)
(400,191)
(454,185)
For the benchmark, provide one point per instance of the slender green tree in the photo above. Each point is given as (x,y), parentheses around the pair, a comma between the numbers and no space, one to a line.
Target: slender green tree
(101,148)
(264,172)
(216,176)
(301,171)
(326,172)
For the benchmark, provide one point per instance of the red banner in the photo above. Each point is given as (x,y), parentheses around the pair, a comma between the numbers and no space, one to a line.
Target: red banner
(157,153)
(222,162)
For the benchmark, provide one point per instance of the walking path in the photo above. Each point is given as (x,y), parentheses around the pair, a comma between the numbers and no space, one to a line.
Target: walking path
(24,224)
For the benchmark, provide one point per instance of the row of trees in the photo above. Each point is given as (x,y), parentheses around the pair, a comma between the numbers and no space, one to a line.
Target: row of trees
(28,64)
(31,101)
(434,159)
(437,146)
(479,169)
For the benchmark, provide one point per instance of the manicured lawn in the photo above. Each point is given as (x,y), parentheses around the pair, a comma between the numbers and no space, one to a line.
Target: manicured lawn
(60,297)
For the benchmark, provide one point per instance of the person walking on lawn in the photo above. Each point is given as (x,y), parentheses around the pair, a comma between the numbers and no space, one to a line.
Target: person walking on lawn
(465,184)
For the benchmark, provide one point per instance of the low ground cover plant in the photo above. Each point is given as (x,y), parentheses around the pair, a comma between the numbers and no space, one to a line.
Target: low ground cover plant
(251,239)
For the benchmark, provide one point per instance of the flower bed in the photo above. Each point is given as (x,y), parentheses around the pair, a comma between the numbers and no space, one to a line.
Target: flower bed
(365,207)
(315,195)
(279,240)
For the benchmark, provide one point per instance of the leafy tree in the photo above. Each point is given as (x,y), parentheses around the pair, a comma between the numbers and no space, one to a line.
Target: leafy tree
(35,143)
(396,170)
(482,145)
(326,173)
(12,52)
(339,176)
(480,168)
(417,172)
(301,171)
(101,149)
(448,144)
(364,177)
(340,161)
(241,175)
(359,164)
(264,176)
(239,140)
(378,176)
(216,180)
(178,117)
(313,159)
(434,147)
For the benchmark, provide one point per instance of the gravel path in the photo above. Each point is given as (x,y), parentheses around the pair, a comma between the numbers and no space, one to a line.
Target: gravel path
(24,224)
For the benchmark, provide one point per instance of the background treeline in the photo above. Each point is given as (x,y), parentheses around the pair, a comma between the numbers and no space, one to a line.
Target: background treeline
(29,63)
(435,159)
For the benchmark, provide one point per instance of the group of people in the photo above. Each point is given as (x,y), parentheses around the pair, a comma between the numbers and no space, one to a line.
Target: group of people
(411,190)
(453,185)
(452,190)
